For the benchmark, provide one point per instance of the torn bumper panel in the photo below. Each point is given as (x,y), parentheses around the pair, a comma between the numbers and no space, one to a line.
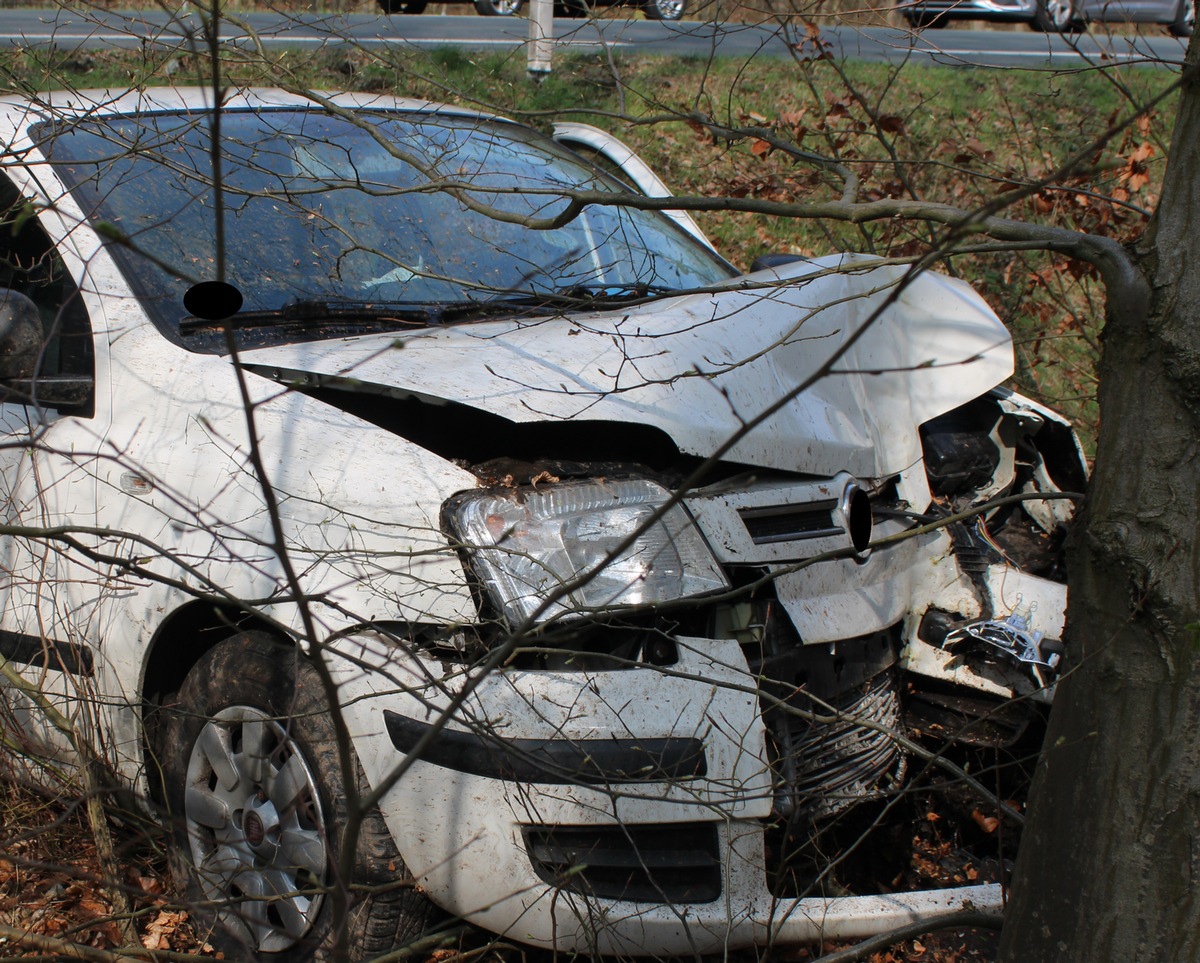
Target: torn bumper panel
(572,809)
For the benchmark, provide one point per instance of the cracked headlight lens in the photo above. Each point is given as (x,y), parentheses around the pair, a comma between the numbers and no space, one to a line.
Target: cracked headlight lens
(565,541)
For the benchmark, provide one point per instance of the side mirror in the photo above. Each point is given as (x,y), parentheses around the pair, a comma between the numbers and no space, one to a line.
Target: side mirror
(22,343)
(21,336)
(764,261)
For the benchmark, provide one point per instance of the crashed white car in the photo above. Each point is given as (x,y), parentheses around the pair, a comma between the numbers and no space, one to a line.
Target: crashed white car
(364,457)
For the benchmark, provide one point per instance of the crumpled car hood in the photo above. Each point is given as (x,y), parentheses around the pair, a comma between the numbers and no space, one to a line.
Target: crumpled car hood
(857,359)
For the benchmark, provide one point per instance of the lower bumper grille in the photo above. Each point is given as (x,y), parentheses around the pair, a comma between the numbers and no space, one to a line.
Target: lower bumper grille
(673,863)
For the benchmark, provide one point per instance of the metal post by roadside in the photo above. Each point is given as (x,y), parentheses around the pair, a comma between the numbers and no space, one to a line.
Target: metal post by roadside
(541,37)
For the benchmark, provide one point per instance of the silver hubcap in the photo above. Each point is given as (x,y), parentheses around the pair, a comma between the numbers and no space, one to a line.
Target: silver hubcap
(255,826)
(1059,13)
(669,9)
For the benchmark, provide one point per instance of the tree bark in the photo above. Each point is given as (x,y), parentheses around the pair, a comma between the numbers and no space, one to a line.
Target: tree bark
(1109,867)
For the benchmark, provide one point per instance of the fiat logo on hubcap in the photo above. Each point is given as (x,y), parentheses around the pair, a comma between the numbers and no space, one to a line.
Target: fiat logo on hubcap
(254,829)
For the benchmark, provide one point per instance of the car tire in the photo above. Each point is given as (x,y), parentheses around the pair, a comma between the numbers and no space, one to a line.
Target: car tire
(403,6)
(919,21)
(570,9)
(1185,20)
(253,782)
(499,8)
(1056,16)
(664,9)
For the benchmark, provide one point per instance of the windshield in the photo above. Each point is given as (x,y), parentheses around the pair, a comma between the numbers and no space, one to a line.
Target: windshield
(325,216)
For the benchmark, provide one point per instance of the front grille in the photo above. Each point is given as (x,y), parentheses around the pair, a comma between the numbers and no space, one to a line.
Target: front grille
(671,863)
(787,523)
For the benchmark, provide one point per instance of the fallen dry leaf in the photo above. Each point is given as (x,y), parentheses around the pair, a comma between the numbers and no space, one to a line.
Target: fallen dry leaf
(987,823)
(161,928)
(543,476)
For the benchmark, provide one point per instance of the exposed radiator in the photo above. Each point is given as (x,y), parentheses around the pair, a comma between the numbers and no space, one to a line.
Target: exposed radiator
(826,767)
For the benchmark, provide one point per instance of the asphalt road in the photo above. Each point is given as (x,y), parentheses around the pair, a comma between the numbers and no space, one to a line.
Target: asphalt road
(98,29)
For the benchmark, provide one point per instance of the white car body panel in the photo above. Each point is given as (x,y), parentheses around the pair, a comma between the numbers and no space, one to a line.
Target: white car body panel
(707,364)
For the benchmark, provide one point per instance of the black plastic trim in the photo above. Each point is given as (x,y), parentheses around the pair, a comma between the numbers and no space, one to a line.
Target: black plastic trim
(42,653)
(555,761)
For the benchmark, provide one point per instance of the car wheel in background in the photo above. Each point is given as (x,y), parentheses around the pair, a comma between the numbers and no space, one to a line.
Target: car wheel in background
(919,20)
(1056,16)
(403,6)
(1185,20)
(664,9)
(499,8)
(253,780)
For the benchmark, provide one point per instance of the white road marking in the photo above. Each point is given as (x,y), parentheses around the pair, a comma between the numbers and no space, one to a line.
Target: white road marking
(318,39)
(1096,56)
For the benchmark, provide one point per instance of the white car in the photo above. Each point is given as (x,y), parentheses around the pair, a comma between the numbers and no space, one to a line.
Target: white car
(366,451)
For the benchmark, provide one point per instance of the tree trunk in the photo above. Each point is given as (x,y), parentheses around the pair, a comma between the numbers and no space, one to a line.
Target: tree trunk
(1109,867)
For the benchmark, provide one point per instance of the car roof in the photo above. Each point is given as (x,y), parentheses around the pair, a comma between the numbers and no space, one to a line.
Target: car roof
(19,111)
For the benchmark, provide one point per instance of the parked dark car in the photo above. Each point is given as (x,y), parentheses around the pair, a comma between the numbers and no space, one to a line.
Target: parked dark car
(654,9)
(1056,16)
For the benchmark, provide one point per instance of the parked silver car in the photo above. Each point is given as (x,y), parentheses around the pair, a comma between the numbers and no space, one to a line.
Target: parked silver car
(653,9)
(1055,16)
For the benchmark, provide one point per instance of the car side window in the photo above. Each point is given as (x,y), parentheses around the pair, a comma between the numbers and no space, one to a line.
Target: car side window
(62,374)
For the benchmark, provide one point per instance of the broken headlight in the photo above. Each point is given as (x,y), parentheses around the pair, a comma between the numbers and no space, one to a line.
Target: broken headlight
(587,545)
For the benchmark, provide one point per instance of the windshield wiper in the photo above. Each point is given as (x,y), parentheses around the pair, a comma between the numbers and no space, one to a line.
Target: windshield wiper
(577,297)
(313,312)
(520,305)
(589,294)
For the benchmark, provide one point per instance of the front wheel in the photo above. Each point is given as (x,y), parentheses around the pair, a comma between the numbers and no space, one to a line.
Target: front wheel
(1056,16)
(499,8)
(254,783)
(664,9)
(1185,20)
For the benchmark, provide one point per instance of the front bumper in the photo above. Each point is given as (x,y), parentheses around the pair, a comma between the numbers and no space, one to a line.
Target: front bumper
(685,835)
